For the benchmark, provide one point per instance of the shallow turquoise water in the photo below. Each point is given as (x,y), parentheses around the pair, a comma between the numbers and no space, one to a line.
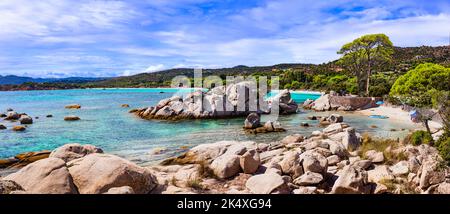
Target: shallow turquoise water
(105,124)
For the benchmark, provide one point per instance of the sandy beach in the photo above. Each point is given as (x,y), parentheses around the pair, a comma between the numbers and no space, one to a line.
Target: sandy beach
(397,114)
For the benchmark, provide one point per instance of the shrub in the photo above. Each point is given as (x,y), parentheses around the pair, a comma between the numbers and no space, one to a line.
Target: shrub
(443,146)
(420,137)
(387,146)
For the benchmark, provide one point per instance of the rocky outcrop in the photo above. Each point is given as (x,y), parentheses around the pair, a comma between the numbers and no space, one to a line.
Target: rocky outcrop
(330,102)
(97,173)
(23,159)
(351,180)
(220,102)
(46,176)
(74,151)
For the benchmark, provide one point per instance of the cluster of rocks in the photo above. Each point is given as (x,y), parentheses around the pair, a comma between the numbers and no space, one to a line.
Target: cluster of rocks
(235,100)
(84,169)
(23,119)
(333,102)
(327,120)
(328,161)
(252,125)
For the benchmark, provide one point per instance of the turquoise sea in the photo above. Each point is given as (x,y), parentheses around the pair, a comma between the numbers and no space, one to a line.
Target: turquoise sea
(106,124)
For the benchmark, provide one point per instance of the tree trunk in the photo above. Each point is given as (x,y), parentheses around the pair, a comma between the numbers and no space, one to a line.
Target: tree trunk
(368,83)
(425,123)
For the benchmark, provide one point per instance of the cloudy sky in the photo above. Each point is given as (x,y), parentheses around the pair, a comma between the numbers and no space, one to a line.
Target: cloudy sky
(61,38)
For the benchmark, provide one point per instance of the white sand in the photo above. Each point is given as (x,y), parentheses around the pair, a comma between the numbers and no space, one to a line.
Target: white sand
(396,114)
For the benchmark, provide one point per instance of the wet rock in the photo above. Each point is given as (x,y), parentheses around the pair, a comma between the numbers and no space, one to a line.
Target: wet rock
(25,119)
(71,118)
(2,127)
(304,124)
(73,106)
(252,121)
(46,176)
(125,106)
(19,128)
(74,151)
(12,115)
(49,115)
(335,118)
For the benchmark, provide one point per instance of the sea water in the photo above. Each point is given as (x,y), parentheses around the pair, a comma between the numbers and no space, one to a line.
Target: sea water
(106,124)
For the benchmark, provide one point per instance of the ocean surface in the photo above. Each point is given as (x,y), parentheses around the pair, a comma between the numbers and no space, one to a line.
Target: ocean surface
(106,124)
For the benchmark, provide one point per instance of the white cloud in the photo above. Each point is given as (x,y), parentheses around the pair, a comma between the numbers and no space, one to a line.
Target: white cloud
(153,68)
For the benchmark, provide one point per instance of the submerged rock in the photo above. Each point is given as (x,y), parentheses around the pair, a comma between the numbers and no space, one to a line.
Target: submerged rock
(19,128)
(73,106)
(2,127)
(71,118)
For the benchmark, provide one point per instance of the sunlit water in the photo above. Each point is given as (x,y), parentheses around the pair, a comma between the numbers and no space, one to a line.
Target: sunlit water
(106,124)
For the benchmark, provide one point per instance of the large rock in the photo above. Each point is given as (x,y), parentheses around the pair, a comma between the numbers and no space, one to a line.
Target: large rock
(430,173)
(351,180)
(7,187)
(333,129)
(73,151)
(443,188)
(350,140)
(97,173)
(322,103)
(226,166)
(314,162)
(250,161)
(252,121)
(46,176)
(265,183)
(286,103)
(25,119)
(309,178)
(291,164)
(374,156)
(337,148)
(295,138)
(380,173)
(400,168)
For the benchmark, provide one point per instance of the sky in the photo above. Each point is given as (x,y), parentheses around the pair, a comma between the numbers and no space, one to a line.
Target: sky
(88,38)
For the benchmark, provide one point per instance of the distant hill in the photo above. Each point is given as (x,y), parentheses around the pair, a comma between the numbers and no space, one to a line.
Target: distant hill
(404,59)
(16,80)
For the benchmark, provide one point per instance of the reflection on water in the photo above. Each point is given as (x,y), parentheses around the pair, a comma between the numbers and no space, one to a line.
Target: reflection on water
(105,124)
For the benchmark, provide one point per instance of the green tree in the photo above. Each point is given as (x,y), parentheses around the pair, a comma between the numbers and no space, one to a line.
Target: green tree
(425,87)
(365,55)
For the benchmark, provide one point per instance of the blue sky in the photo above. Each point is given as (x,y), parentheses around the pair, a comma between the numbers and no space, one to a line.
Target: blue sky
(61,38)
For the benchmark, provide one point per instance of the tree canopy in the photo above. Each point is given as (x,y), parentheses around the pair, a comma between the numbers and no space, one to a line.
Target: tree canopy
(365,55)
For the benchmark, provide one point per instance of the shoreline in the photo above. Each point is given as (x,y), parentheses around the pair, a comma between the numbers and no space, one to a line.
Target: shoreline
(396,113)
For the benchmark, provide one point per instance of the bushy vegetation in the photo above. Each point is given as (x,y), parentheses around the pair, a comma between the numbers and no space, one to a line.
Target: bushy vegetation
(387,146)
(420,137)
(443,146)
